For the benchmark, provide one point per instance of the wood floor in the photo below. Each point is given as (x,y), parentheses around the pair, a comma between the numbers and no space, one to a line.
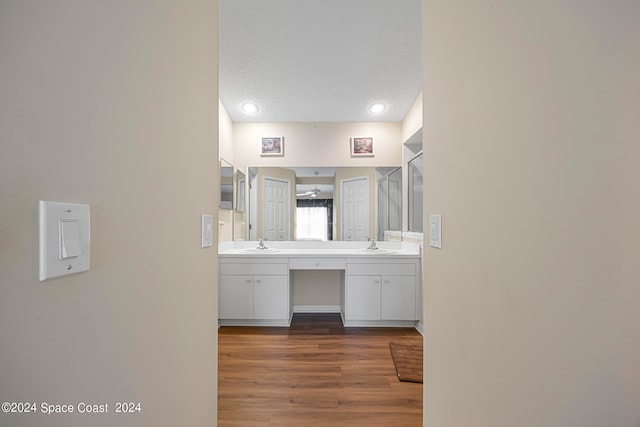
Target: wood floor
(315,373)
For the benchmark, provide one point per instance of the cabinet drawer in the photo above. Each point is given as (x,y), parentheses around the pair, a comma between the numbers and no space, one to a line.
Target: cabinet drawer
(254,268)
(320,263)
(391,269)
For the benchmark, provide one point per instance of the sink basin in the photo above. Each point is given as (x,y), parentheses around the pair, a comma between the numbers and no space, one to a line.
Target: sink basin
(260,251)
(377,251)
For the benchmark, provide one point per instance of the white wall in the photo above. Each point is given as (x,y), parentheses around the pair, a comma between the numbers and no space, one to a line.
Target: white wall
(318,144)
(225,135)
(113,104)
(531,156)
(413,120)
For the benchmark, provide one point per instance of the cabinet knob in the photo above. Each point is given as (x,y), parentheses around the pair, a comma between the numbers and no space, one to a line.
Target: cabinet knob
(258,280)
(317,263)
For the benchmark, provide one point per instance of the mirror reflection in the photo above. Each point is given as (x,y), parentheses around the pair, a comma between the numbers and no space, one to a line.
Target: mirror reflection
(226,185)
(415,194)
(389,203)
(241,181)
(322,203)
(240,206)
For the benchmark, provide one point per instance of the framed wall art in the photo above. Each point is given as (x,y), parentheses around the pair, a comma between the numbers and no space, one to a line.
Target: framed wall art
(272,146)
(362,147)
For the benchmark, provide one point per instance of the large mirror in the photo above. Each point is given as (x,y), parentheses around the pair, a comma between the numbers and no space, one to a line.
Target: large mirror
(320,203)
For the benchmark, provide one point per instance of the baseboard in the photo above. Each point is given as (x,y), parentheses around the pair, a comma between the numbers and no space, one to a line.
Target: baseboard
(255,322)
(316,309)
(420,328)
(380,323)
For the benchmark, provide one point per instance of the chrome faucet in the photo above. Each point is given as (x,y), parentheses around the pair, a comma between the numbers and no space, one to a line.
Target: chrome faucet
(261,245)
(372,246)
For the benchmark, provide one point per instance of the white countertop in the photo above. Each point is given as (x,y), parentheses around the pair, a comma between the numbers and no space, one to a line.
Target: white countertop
(317,248)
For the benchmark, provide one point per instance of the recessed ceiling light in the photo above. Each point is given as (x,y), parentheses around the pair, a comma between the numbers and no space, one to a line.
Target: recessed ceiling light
(377,108)
(249,108)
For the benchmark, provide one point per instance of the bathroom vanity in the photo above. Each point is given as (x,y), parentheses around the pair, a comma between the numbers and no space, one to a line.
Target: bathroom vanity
(379,286)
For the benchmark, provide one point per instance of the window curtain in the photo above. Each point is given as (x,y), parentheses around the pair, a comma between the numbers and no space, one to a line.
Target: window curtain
(314,219)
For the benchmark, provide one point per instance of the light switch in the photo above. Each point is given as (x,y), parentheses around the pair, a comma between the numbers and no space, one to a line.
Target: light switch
(435,231)
(64,237)
(69,239)
(207,230)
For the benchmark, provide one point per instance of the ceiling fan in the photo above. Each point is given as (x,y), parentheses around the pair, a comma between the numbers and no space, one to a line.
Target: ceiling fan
(311,193)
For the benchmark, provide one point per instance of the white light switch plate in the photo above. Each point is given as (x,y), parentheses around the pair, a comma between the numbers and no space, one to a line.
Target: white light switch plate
(64,237)
(207,230)
(435,231)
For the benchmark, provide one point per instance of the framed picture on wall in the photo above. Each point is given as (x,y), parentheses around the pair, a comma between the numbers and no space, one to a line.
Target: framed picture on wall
(272,146)
(362,147)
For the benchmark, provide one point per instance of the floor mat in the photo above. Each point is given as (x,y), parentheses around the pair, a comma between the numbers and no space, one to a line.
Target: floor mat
(408,361)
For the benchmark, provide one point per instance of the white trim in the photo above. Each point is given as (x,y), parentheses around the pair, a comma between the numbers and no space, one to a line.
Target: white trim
(380,323)
(316,309)
(420,328)
(254,322)
(413,235)
(392,235)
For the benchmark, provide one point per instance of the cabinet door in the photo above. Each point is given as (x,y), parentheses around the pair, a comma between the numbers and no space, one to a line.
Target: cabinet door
(363,298)
(398,298)
(270,297)
(236,297)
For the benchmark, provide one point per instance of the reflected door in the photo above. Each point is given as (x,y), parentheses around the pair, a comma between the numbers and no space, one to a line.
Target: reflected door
(276,210)
(355,209)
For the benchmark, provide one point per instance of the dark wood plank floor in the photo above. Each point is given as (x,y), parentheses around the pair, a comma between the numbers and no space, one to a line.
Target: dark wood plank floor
(314,373)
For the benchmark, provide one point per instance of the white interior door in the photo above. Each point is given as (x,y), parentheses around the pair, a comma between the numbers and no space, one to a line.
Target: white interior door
(276,209)
(355,209)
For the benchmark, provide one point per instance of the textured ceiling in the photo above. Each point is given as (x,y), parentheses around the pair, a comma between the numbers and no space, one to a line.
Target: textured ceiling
(319,60)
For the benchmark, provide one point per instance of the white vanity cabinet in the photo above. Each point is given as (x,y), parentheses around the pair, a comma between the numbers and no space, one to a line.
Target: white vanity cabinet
(384,290)
(371,289)
(254,292)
